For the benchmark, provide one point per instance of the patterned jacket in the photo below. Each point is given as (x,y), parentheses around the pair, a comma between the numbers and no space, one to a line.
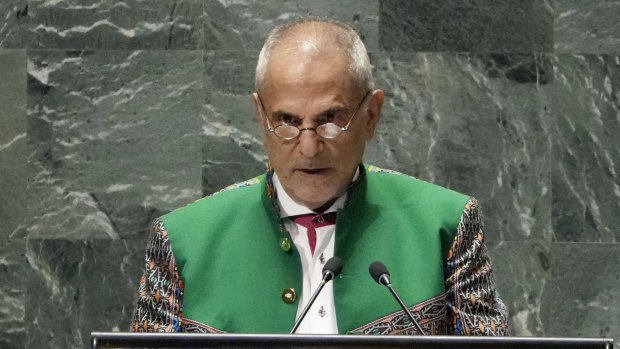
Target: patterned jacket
(221,263)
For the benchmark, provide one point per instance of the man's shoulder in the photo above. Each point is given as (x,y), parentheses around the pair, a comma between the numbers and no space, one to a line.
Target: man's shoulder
(431,205)
(406,185)
(228,197)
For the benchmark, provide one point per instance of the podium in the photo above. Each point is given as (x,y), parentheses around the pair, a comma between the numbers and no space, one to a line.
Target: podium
(187,340)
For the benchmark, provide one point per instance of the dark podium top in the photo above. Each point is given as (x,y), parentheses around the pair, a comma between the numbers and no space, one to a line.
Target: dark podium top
(185,340)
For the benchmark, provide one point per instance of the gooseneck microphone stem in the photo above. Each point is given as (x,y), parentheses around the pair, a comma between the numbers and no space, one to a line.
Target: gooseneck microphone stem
(308,305)
(407,311)
(332,268)
(380,274)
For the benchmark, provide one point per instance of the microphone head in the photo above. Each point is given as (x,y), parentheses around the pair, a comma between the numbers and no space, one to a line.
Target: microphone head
(377,270)
(333,266)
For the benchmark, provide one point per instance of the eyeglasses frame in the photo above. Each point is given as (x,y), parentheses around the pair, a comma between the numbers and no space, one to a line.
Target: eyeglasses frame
(342,128)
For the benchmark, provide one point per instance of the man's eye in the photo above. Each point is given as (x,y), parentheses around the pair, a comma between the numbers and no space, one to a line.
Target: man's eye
(288,119)
(329,117)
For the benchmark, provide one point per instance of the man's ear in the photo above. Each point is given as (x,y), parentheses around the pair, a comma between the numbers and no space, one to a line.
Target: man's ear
(373,112)
(258,111)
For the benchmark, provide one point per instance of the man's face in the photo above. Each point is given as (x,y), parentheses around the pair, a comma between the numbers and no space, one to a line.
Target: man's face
(306,92)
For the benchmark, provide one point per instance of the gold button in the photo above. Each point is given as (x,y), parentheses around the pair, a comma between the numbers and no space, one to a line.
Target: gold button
(289,295)
(285,244)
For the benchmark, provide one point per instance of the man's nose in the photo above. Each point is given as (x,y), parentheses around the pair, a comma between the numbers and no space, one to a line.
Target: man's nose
(310,143)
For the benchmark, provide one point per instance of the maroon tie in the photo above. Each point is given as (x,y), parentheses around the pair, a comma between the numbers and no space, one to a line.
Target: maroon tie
(311,221)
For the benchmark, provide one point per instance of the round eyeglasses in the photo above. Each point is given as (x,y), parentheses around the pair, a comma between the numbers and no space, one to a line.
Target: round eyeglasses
(327,130)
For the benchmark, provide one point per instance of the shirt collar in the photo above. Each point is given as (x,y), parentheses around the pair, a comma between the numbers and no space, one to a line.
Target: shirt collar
(288,206)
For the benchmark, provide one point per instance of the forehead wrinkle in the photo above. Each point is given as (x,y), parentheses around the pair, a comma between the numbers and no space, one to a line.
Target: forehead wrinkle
(330,110)
(300,48)
(303,48)
(304,70)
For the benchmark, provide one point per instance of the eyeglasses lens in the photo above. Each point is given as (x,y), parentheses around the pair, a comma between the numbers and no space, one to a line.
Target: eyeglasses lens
(286,131)
(328,130)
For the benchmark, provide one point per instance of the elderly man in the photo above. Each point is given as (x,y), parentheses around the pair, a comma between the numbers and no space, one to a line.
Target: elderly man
(248,258)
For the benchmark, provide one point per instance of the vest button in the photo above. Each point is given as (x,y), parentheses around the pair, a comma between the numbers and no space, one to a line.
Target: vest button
(285,244)
(289,295)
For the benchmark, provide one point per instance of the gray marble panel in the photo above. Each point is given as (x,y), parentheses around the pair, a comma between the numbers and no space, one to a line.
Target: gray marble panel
(583,296)
(522,270)
(76,287)
(108,139)
(110,24)
(243,25)
(586,123)
(14,171)
(232,141)
(116,138)
(473,25)
(475,123)
(13,279)
(589,26)
(14,22)
(230,72)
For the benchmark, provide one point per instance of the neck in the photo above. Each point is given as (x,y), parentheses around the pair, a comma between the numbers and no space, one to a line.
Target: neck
(325,206)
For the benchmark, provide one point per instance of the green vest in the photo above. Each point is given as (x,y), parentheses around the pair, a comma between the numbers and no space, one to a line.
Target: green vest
(227,250)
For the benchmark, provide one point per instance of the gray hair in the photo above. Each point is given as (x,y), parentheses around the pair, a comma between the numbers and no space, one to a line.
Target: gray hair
(347,38)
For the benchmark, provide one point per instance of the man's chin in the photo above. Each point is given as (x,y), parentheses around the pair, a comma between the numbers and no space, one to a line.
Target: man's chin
(312,189)
(313,198)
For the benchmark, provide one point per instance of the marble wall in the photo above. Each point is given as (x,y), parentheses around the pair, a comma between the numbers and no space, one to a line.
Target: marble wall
(115,112)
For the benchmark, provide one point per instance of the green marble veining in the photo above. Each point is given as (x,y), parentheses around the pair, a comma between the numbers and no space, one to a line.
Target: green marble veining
(14,24)
(478,124)
(113,113)
(15,272)
(586,147)
(77,287)
(110,24)
(243,25)
(14,171)
(586,26)
(112,154)
(581,297)
(473,25)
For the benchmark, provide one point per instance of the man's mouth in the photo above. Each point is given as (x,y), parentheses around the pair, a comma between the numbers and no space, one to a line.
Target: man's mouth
(312,170)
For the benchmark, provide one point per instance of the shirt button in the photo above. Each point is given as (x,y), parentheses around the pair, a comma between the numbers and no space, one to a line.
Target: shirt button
(285,244)
(289,295)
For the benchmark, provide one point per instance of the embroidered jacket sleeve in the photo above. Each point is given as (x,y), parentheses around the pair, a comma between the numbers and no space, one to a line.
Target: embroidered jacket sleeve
(473,305)
(161,289)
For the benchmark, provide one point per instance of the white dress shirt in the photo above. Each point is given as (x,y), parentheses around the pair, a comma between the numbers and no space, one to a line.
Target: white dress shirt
(321,318)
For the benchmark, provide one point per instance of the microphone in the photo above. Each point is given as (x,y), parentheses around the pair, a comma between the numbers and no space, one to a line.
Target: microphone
(380,274)
(331,269)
